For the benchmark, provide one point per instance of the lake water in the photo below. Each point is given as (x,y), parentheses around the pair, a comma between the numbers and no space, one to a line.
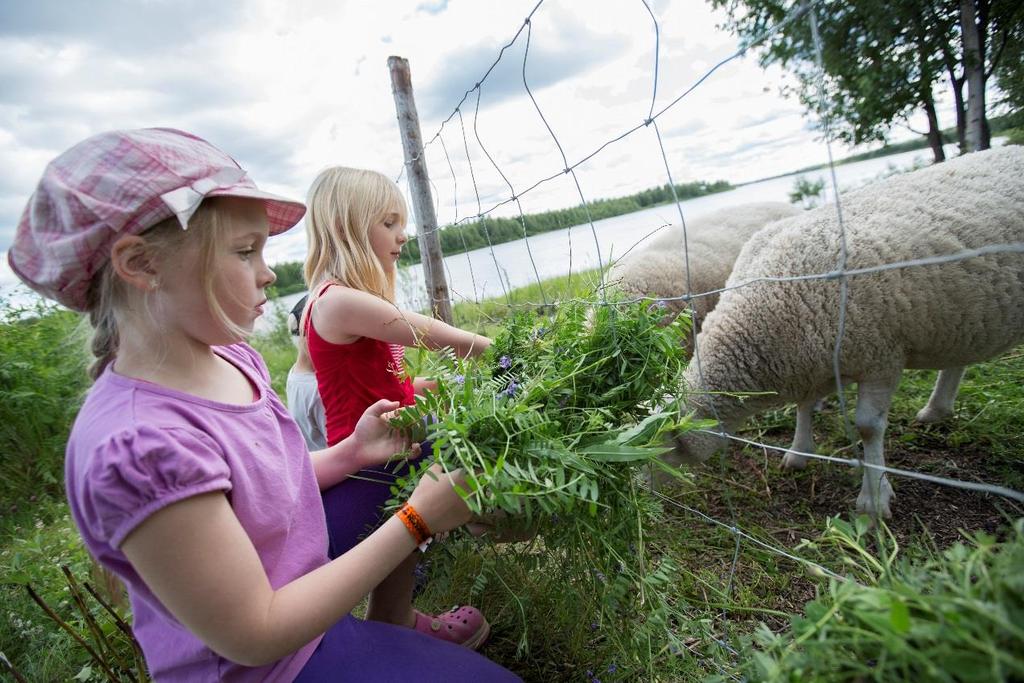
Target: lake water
(481,274)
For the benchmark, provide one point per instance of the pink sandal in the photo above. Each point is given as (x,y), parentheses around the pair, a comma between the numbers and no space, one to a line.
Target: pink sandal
(464,626)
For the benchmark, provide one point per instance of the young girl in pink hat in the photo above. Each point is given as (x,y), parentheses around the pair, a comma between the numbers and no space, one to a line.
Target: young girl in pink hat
(185,474)
(356,338)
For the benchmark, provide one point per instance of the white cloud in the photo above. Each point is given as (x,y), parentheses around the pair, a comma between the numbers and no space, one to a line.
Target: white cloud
(291,87)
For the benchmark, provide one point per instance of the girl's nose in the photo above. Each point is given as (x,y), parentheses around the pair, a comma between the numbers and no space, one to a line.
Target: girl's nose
(402,237)
(269,277)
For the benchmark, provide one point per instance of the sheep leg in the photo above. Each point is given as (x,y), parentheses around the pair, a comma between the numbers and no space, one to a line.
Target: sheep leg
(940,403)
(873,399)
(803,439)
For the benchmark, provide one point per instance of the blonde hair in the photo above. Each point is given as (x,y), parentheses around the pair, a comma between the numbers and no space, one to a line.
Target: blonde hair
(109,297)
(343,204)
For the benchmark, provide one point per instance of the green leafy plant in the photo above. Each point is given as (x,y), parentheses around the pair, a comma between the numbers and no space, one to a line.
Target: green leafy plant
(560,412)
(56,625)
(553,425)
(114,653)
(957,616)
(42,382)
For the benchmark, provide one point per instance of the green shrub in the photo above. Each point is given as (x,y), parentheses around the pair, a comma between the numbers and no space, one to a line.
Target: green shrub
(42,383)
(277,349)
(807,193)
(1014,136)
(33,642)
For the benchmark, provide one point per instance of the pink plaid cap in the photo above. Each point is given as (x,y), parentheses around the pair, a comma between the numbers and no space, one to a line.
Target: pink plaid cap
(121,183)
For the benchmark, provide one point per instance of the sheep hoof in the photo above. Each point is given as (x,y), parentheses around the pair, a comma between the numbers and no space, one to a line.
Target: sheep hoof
(931,415)
(792,461)
(881,507)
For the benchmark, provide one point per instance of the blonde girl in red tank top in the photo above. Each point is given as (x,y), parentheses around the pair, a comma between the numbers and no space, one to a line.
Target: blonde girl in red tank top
(356,337)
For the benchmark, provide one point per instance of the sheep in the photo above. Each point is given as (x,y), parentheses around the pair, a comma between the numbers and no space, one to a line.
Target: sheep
(779,337)
(712,241)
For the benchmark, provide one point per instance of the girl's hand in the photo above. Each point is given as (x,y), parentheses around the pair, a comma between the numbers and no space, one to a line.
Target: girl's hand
(374,441)
(437,501)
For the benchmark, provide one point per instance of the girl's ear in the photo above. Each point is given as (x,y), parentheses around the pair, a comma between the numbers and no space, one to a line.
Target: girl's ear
(131,258)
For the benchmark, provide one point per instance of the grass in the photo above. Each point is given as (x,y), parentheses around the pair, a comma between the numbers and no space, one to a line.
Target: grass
(485,317)
(569,636)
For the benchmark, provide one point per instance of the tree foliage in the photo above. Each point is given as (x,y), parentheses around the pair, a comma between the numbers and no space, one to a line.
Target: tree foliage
(882,61)
(1009,71)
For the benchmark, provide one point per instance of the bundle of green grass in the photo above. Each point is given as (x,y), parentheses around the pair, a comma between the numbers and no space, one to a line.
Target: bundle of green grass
(552,425)
(558,415)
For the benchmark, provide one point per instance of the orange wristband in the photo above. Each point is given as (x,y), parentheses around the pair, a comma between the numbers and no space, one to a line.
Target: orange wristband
(415,524)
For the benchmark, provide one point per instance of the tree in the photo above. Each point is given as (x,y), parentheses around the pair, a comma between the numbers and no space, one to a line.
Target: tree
(882,60)
(807,193)
(1009,73)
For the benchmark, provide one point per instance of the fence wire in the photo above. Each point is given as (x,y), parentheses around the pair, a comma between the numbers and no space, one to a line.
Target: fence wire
(842,274)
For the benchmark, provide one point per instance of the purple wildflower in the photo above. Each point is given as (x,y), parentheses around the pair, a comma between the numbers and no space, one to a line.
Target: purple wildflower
(658,305)
(505,362)
(460,379)
(600,576)
(510,391)
(593,626)
(612,668)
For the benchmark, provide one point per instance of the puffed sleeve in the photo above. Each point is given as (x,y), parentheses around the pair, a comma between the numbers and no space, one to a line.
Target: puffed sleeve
(136,472)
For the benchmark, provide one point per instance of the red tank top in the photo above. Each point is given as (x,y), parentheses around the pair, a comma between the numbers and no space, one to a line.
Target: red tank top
(352,377)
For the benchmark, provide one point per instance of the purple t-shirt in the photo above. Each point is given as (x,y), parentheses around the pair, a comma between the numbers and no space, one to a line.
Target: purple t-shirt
(137,447)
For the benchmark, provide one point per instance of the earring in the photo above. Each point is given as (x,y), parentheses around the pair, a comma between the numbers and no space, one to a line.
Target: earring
(153,284)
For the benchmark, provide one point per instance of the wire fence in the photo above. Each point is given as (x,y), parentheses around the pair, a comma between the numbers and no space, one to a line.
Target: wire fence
(455,126)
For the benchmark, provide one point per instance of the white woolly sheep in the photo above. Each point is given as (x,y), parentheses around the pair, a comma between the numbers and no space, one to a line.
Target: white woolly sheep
(779,337)
(713,242)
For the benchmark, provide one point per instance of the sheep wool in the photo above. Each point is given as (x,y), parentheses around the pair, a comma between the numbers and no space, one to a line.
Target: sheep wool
(779,337)
(712,243)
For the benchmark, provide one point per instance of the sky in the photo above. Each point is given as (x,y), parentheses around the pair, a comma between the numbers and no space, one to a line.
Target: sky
(289,87)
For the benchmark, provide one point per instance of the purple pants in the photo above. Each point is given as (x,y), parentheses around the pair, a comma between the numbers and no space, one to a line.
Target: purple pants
(355,506)
(372,652)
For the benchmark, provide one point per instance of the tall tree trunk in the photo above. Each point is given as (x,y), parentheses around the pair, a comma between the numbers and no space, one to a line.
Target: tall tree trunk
(974,70)
(934,132)
(927,99)
(961,114)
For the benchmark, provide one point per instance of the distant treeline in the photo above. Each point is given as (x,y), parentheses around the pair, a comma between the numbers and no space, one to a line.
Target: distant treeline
(456,239)
(998,125)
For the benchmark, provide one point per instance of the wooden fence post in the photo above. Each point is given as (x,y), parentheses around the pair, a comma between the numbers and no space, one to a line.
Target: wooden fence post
(422,202)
